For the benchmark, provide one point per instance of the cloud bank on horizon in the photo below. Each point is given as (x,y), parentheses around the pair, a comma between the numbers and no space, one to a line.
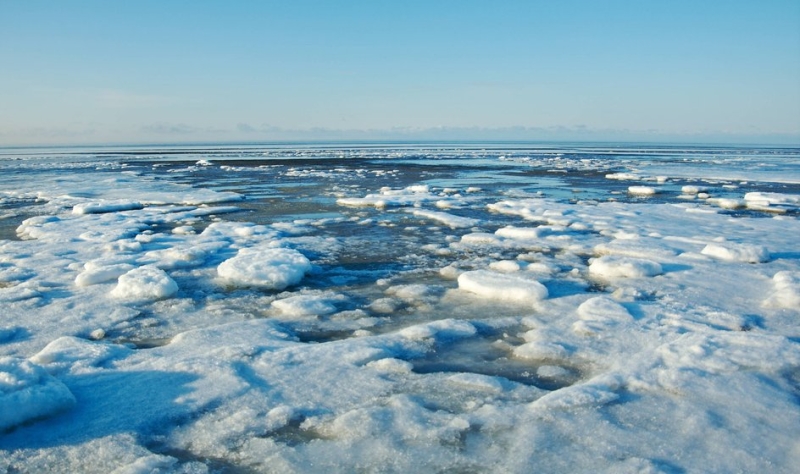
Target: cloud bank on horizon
(151,72)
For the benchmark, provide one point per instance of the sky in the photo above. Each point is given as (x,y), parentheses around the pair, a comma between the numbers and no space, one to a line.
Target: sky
(92,72)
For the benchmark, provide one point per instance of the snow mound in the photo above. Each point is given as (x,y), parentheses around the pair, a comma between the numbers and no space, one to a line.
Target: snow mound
(614,266)
(502,286)
(28,392)
(732,252)
(787,291)
(272,268)
(145,283)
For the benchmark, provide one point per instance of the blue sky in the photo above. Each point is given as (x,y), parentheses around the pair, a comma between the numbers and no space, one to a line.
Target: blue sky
(179,71)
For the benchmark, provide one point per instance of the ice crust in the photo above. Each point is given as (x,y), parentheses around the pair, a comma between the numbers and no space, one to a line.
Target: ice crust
(417,322)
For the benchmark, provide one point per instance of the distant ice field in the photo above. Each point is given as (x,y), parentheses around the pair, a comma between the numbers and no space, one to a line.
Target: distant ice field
(400,307)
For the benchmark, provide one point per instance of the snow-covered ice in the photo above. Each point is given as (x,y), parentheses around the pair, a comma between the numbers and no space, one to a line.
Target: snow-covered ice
(400,309)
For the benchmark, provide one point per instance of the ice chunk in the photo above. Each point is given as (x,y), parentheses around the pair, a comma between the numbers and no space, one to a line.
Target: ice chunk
(787,291)
(106,206)
(271,268)
(541,350)
(445,218)
(28,392)
(771,202)
(642,190)
(98,272)
(307,305)
(477,381)
(506,266)
(391,365)
(522,233)
(503,287)
(693,190)
(596,392)
(614,266)
(145,283)
(733,252)
(727,203)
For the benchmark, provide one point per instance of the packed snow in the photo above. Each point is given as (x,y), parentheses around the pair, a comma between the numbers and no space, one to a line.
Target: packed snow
(397,309)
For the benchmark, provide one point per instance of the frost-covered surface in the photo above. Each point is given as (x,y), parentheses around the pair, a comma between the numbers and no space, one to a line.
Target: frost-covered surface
(346,309)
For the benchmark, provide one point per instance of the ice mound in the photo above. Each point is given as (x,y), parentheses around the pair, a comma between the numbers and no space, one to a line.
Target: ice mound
(732,252)
(642,190)
(787,291)
(28,392)
(502,286)
(145,283)
(106,206)
(271,268)
(614,266)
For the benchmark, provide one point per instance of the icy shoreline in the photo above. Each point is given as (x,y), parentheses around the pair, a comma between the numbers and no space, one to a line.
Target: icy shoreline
(399,315)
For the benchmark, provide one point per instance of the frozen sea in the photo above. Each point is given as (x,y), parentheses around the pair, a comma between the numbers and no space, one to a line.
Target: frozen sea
(454,307)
